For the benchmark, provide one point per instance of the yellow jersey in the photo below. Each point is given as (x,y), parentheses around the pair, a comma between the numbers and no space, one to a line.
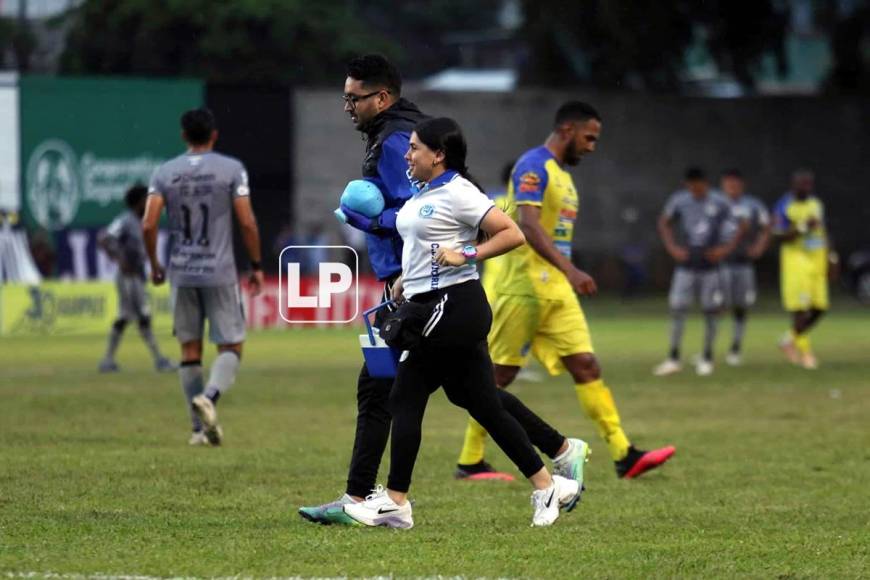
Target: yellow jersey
(811,243)
(804,258)
(539,180)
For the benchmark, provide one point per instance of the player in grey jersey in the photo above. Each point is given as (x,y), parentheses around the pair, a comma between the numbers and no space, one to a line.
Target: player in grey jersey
(201,190)
(699,215)
(738,270)
(122,242)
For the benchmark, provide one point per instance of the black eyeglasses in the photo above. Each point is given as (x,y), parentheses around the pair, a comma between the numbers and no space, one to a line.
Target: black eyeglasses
(352,100)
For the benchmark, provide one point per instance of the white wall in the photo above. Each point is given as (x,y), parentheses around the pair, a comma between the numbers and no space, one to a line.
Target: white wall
(10,146)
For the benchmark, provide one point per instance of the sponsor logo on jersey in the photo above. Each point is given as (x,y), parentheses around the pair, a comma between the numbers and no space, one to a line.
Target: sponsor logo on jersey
(530,182)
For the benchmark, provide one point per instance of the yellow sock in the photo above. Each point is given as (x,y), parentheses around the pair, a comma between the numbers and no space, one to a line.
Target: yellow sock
(597,402)
(801,342)
(473,446)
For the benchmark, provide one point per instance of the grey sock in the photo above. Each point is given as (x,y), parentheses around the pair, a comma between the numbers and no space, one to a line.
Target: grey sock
(739,331)
(190,374)
(223,374)
(114,340)
(148,337)
(711,323)
(678,324)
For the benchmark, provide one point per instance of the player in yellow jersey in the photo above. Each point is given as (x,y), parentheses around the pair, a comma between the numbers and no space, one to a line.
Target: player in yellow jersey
(493,267)
(535,306)
(799,223)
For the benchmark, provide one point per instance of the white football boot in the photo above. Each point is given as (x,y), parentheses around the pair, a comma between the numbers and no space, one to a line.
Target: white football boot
(198,438)
(733,359)
(668,367)
(570,466)
(207,413)
(703,367)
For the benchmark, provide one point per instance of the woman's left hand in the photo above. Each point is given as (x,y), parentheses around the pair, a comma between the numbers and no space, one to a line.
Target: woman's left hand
(446,257)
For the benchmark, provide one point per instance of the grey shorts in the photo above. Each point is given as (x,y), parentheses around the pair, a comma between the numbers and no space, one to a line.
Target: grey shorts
(132,297)
(738,284)
(705,286)
(221,305)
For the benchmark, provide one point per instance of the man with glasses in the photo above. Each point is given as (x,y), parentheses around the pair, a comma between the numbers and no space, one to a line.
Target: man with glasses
(372,99)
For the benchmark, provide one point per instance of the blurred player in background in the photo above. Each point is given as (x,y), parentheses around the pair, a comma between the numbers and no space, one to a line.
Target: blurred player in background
(122,242)
(201,189)
(738,268)
(697,248)
(799,223)
(534,302)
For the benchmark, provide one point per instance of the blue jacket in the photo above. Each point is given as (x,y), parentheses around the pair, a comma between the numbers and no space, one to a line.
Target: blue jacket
(384,165)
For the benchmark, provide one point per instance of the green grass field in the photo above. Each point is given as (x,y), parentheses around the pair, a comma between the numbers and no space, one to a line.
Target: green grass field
(770,478)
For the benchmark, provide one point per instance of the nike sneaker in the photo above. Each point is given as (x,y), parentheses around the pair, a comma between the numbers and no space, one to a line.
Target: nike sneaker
(570,466)
(379,510)
(329,513)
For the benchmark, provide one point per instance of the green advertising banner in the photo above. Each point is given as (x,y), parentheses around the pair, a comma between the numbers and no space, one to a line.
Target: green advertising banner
(85,141)
(70,308)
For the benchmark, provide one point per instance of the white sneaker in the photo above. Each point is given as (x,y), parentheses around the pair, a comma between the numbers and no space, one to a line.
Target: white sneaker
(733,359)
(379,510)
(668,367)
(207,413)
(547,502)
(567,490)
(198,438)
(570,466)
(703,367)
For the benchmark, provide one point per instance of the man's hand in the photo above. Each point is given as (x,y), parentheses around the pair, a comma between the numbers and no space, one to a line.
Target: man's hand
(358,220)
(755,251)
(255,282)
(582,282)
(158,274)
(679,253)
(446,257)
(717,254)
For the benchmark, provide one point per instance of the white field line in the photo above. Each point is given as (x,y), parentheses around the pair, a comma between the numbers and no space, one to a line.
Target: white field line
(102,576)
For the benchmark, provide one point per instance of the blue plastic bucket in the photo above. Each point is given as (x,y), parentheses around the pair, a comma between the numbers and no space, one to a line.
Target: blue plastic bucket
(381,360)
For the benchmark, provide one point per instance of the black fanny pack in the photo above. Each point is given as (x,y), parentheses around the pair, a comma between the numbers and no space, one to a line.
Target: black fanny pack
(403,328)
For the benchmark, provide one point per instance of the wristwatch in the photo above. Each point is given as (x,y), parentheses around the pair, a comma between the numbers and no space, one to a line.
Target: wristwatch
(470,253)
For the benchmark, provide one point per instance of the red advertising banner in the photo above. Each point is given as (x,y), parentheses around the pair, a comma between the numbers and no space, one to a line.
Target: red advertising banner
(263,311)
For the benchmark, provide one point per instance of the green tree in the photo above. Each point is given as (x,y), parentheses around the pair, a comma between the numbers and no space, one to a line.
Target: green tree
(429,30)
(641,44)
(222,40)
(606,43)
(17,39)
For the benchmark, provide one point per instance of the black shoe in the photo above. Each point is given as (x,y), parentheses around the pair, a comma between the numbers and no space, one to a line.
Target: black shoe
(638,462)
